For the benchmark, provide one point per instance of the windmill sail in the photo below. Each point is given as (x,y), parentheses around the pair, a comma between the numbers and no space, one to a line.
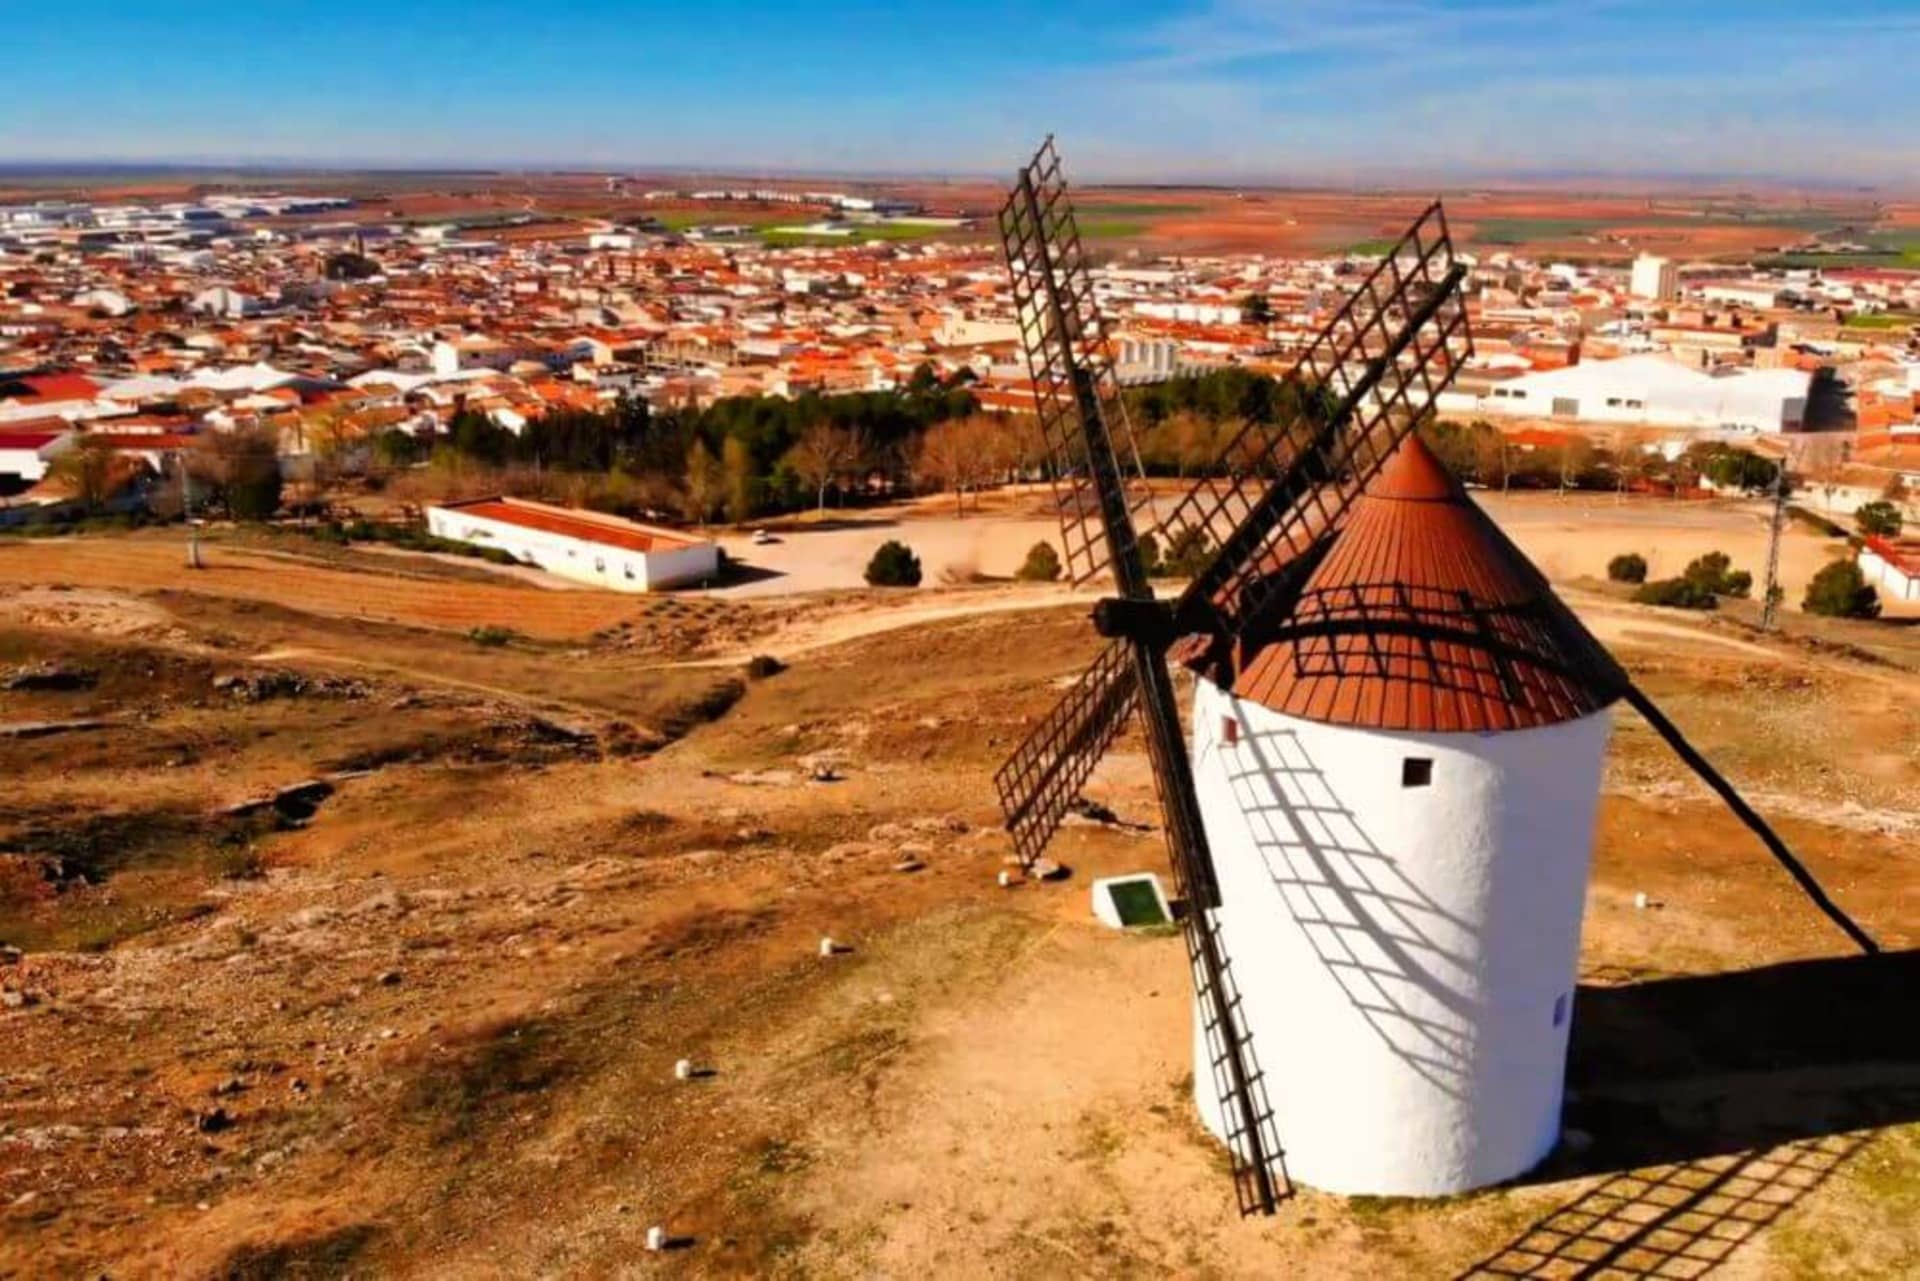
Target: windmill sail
(1090,448)
(1364,383)
(1370,377)
(1092,454)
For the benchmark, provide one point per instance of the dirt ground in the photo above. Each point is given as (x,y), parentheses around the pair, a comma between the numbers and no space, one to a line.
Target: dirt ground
(351,945)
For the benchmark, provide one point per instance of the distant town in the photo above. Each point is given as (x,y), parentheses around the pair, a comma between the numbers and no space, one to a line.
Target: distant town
(338,337)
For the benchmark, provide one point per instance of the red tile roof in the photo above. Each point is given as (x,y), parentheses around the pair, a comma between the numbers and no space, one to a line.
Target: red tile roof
(1422,616)
(28,439)
(1901,553)
(58,387)
(591,527)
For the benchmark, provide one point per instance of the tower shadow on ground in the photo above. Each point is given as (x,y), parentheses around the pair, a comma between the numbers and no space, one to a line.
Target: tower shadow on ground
(1716,1103)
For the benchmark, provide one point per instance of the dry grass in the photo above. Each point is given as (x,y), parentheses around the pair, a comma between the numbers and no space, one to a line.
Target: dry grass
(452,999)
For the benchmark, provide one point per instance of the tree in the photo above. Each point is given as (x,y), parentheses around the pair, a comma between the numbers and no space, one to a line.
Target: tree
(89,470)
(824,453)
(952,455)
(1188,551)
(1042,564)
(474,435)
(1740,469)
(1880,518)
(893,565)
(1628,567)
(243,468)
(1256,310)
(1840,590)
(739,479)
(347,265)
(703,481)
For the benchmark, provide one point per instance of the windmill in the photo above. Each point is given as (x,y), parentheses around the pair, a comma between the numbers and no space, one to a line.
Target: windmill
(1357,612)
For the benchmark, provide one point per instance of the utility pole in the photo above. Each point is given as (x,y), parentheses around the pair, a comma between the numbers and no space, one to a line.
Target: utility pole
(1770,601)
(186,510)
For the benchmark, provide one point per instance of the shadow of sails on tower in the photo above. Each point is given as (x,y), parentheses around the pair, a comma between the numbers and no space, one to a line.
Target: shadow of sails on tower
(1399,780)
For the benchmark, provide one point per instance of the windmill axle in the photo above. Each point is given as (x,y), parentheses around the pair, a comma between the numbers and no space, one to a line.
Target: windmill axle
(1151,621)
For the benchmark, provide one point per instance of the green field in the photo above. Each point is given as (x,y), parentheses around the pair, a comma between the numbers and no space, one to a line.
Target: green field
(683,219)
(1892,320)
(863,233)
(1520,231)
(1109,228)
(1898,253)
(1378,248)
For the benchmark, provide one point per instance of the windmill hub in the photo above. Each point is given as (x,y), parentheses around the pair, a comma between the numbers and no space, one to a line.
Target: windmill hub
(1151,621)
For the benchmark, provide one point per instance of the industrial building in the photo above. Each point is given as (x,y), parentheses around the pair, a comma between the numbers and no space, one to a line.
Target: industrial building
(589,547)
(1649,391)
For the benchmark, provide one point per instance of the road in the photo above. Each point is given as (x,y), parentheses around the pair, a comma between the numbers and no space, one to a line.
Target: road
(1568,538)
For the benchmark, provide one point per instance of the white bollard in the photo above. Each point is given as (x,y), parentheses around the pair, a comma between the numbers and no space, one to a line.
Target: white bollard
(656,1238)
(1006,879)
(683,1070)
(1640,901)
(827,947)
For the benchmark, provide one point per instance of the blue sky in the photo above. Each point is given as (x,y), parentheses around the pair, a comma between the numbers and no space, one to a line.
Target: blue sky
(1284,90)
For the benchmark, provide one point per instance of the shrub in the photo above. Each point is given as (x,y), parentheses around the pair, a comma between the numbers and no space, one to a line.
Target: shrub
(1188,552)
(764,665)
(1841,591)
(894,565)
(1676,593)
(1150,555)
(1042,564)
(1629,567)
(491,636)
(1714,574)
(1881,518)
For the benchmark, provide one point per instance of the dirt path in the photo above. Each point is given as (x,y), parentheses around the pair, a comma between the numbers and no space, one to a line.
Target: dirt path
(424,676)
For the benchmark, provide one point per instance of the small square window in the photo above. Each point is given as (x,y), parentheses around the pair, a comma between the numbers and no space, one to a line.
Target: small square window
(1229,730)
(1416,771)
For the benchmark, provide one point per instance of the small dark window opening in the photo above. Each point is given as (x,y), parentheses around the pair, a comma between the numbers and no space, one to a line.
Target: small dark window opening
(1416,771)
(1229,730)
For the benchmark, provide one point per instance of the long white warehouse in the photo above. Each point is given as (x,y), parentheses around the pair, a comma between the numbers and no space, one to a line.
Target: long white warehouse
(590,547)
(1651,391)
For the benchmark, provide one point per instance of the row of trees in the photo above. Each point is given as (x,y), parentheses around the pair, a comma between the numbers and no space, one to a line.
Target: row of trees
(1479,452)
(235,475)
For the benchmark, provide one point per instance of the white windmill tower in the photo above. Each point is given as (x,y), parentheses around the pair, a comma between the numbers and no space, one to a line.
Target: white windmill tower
(1399,781)
(1383,833)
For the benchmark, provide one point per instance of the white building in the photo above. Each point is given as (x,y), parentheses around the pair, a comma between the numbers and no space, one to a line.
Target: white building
(1654,278)
(1758,295)
(1652,391)
(26,455)
(1891,566)
(224,301)
(586,546)
(1401,818)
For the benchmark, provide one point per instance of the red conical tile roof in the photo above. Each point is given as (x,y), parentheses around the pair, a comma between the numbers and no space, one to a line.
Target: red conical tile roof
(1422,615)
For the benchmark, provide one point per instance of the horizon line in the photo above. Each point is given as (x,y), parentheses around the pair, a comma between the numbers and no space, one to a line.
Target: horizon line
(1376,176)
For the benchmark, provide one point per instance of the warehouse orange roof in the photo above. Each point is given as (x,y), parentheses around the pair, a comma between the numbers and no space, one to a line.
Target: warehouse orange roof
(573,522)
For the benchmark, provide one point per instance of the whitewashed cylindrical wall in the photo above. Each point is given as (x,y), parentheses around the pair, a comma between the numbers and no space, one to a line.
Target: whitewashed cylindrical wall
(1405,953)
